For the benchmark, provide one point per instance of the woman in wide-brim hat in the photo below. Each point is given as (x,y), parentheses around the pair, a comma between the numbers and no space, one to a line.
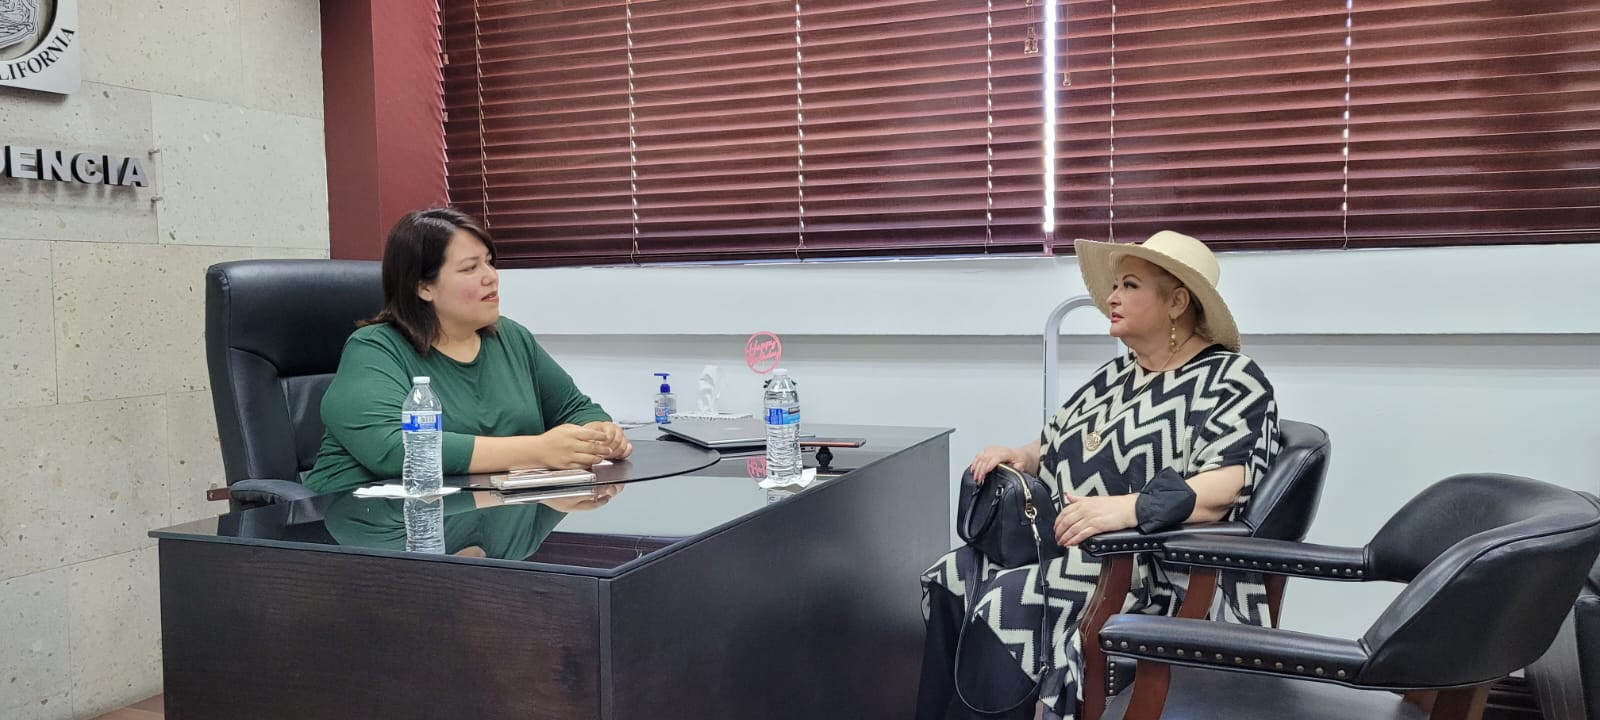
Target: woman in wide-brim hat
(1176,431)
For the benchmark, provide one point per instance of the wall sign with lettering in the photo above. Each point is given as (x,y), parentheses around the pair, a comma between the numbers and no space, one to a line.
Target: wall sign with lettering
(30,163)
(763,351)
(39,45)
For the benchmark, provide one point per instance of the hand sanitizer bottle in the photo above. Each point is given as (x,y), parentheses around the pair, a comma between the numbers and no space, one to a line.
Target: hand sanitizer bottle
(666,405)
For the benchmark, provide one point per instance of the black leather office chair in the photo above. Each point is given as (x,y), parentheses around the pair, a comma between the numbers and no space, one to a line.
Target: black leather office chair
(1281,508)
(1491,565)
(1566,679)
(274,333)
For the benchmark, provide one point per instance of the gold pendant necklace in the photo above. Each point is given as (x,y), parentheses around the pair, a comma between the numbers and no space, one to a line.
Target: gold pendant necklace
(1093,440)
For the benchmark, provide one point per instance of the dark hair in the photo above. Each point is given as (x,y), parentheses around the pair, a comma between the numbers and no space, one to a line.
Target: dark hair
(413,255)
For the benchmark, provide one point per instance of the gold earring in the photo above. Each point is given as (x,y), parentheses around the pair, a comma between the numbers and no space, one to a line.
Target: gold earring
(1172,340)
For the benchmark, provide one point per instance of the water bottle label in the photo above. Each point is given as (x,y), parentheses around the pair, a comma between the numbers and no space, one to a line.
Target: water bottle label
(420,422)
(782,416)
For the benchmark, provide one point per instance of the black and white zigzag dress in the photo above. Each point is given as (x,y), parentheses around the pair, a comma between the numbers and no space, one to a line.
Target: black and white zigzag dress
(1214,411)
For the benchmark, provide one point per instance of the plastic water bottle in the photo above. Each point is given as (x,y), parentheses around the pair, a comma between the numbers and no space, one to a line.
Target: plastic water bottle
(422,429)
(425,524)
(782,403)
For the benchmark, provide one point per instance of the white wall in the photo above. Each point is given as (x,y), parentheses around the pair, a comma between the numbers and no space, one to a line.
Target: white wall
(109,430)
(1419,363)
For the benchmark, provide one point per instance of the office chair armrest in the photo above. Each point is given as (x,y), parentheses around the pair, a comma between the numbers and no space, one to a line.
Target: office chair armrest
(1122,542)
(1586,628)
(266,491)
(1102,676)
(1274,557)
(1206,643)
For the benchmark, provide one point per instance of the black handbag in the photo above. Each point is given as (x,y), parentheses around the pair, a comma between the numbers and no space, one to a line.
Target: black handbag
(1010,519)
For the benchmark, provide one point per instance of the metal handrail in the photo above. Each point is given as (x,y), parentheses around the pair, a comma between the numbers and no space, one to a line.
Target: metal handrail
(1052,349)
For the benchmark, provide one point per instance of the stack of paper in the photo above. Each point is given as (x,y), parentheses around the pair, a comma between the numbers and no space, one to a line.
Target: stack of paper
(527,479)
(532,478)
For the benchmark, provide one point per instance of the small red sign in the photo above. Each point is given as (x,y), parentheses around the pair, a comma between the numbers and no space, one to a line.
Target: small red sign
(756,467)
(762,352)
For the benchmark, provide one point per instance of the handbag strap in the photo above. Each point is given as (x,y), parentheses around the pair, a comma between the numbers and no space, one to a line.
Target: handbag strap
(965,529)
(970,614)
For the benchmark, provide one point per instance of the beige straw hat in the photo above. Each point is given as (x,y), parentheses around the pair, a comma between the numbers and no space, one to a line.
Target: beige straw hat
(1188,259)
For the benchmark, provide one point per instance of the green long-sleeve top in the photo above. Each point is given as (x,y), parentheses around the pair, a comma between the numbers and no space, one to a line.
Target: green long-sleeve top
(513,387)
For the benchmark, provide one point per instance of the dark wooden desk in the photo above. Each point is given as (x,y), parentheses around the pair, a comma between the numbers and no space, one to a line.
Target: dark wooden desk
(731,602)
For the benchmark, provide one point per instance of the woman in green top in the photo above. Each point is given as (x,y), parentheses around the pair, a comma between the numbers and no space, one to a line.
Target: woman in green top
(507,404)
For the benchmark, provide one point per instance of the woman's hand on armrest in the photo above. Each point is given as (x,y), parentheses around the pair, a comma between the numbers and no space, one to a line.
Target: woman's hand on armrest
(1084,517)
(1215,493)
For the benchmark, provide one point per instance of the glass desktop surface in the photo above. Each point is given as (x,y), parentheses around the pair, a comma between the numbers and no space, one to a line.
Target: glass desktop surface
(644,518)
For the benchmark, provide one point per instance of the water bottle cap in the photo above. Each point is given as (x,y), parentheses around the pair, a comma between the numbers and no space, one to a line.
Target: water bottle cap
(420,380)
(780,371)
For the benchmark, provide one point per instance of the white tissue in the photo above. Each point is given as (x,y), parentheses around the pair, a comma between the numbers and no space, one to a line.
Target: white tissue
(807,476)
(709,391)
(399,491)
